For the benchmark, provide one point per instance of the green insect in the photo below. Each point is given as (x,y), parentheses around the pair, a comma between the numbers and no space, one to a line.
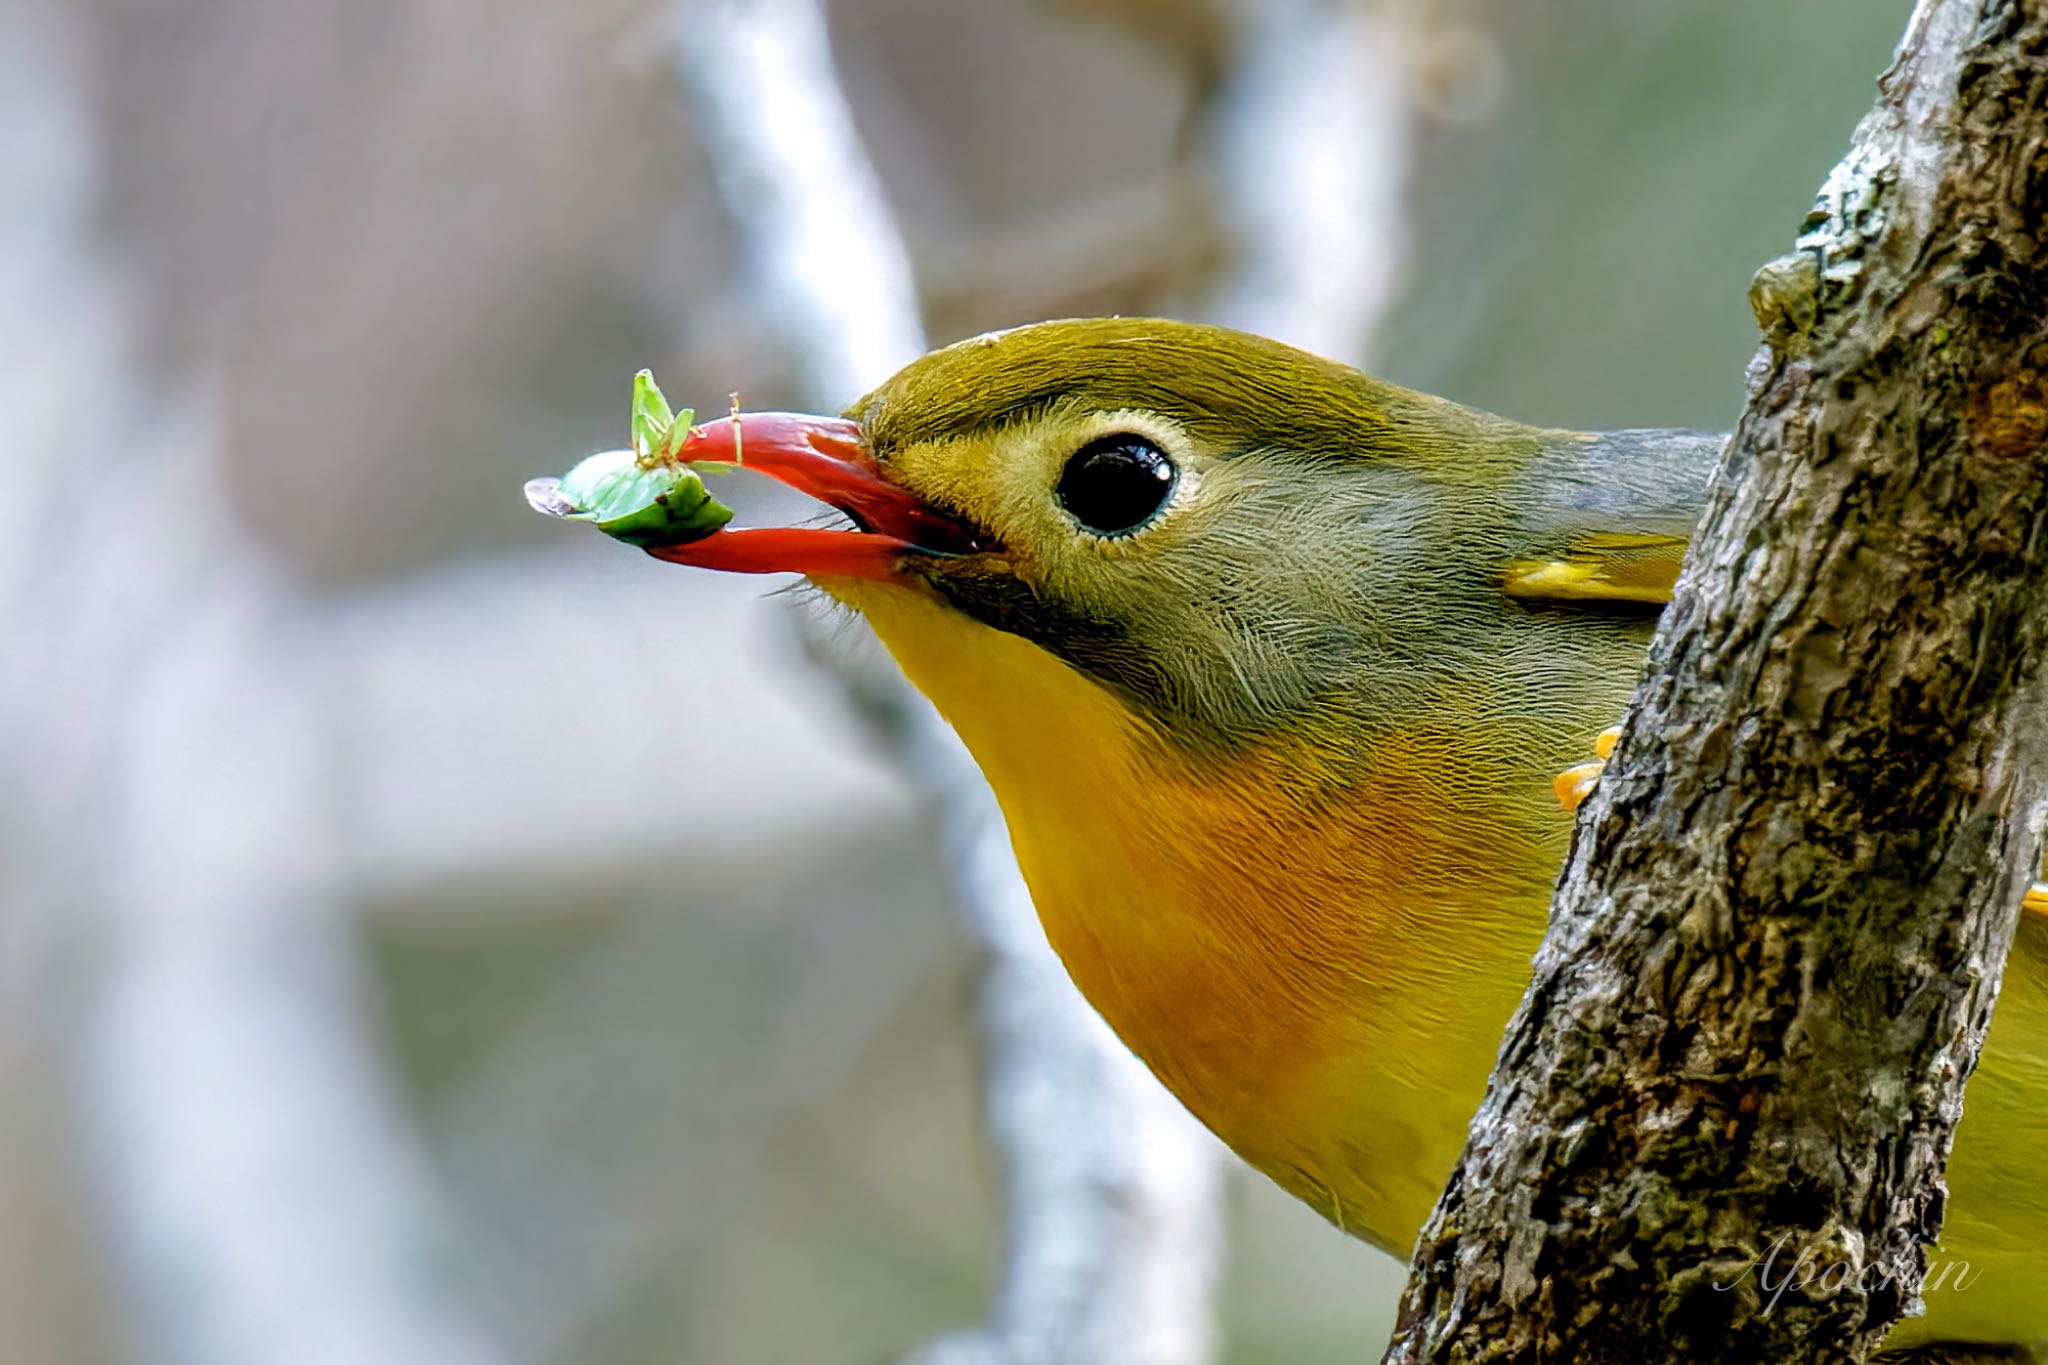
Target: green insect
(648,496)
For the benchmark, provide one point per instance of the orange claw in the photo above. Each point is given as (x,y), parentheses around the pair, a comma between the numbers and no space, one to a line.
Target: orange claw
(1574,785)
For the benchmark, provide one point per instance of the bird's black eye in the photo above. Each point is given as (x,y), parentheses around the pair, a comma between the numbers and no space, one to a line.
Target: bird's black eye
(1115,484)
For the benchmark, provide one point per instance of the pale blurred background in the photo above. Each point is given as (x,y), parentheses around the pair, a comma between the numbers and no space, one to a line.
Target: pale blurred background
(428,935)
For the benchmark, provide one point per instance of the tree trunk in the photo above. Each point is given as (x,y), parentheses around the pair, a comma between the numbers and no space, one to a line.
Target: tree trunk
(1774,951)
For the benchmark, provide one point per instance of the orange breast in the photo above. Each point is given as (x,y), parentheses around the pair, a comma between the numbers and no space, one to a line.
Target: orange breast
(1322,984)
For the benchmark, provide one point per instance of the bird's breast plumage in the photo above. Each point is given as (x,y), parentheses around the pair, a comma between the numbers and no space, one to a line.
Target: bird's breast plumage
(1313,941)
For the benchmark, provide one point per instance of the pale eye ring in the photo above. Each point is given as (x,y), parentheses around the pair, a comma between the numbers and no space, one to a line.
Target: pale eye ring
(1115,484)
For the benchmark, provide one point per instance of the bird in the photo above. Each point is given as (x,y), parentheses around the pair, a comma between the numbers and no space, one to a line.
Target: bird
(1273,669)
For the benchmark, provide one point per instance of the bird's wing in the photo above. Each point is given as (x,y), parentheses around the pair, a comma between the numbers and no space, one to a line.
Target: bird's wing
(1601,566)
(1606,520)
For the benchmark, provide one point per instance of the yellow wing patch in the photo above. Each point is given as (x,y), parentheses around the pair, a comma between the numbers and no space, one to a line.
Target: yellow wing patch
(1602,567)
(2036,902)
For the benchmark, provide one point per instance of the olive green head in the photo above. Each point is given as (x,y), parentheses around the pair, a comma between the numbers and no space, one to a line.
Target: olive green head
(1229,533)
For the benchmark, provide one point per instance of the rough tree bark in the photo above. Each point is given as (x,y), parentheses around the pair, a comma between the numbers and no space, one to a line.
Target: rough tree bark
(1777,943)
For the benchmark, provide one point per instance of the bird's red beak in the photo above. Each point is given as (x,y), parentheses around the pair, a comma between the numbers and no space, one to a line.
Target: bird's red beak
(827,458)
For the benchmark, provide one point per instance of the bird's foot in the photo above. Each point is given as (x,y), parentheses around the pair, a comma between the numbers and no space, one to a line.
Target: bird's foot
(1574,785)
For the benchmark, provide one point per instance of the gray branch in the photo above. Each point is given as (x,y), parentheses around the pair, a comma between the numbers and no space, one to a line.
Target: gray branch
(1112,1191)
(1774,952)
(827,263)
(1310,137)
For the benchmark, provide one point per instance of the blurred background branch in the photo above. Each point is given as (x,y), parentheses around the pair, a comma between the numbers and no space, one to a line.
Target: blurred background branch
(1308,136)
(1111,1189)
(828,267)
(167,847)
